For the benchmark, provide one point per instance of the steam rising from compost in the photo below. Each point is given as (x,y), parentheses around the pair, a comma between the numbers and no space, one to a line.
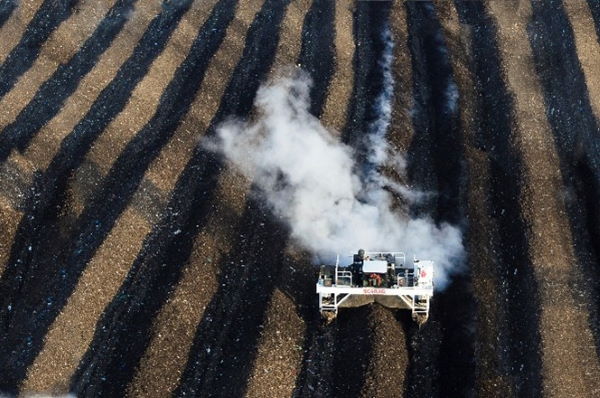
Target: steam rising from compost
(309,180)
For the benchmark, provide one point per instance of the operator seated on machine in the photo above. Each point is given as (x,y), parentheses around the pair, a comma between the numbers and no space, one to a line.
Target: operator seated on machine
(356,267)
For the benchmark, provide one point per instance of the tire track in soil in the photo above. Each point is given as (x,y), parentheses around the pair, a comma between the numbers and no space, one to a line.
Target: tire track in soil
(481,238)
(6,9)
(48,17)
(43,234)
(442,351)
(61,46)
(52,94)
(576,139)
(187,210)
(12,31)
(494,119)
(568,367)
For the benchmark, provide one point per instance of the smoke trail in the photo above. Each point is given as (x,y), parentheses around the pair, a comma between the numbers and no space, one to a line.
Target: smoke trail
(379,153)
(309,181)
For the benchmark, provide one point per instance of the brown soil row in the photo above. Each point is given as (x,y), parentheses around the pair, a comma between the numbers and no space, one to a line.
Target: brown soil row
(401,128)
(279,351)
(386,372)
(9,219)
(340,87)
(389,359)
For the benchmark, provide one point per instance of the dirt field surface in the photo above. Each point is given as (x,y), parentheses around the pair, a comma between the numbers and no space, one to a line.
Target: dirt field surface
(135,262)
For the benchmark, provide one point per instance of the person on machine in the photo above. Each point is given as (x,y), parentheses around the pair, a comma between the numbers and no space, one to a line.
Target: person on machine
(357,265)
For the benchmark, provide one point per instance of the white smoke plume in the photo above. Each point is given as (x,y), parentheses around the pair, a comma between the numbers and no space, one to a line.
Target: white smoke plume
(308,178)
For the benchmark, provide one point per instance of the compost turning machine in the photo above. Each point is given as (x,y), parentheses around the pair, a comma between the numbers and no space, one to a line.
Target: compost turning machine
(382,277)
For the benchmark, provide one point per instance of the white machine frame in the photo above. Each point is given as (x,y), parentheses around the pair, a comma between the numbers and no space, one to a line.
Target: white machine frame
(415,298)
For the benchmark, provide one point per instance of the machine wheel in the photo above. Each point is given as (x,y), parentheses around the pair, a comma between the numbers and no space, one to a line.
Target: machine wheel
(420,319)
(328,316)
